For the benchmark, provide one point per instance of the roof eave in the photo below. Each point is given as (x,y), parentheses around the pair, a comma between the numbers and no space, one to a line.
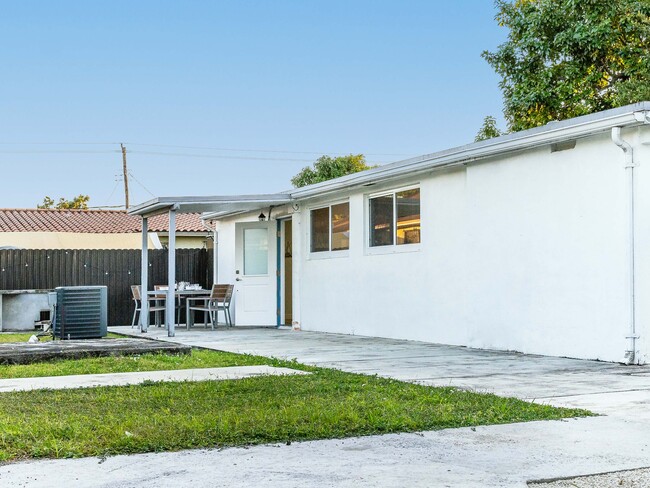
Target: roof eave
(207,203)
(579,127)
(218,207)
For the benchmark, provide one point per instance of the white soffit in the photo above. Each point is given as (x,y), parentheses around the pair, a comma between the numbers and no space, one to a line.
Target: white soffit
(209,204)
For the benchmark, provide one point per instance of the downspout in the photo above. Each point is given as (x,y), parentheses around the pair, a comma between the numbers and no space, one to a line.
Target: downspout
(215,255)
(630,353)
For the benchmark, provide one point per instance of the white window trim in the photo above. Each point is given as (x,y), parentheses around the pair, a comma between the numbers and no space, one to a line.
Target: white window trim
(393,248)
(341,253)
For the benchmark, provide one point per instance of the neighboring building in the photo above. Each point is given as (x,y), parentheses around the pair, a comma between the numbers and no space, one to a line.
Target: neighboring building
(537,241)
(93,229)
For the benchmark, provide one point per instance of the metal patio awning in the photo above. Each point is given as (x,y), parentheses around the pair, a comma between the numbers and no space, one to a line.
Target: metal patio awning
(215,205)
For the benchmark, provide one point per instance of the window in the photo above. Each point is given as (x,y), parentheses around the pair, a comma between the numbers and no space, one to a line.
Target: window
(256,252)
(395,218)
(330,228)
(340,226)
(320,230)
(408,216)
(381,221)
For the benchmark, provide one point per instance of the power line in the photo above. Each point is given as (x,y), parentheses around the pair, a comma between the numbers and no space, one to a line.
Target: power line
(58,143)
(210,148)
(62,151)
(184,155)
(218,156)
(139,183)
(223,156)
(263,150)
(117,182)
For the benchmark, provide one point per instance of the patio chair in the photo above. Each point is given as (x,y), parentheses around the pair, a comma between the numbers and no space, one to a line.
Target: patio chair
(219,299)
(179,301)
(154,305)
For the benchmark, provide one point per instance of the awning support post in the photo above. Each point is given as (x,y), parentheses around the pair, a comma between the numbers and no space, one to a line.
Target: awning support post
(144,278)
(170,310)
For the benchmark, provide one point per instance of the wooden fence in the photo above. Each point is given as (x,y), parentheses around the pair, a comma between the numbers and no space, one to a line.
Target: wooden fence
(26,269)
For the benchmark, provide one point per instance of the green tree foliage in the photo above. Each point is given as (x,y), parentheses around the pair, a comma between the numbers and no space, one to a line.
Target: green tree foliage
(326,168)
(565,58)
(488,130)
(79,202)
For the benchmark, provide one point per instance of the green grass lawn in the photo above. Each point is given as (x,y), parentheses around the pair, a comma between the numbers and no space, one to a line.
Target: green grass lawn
(199,358)
(18,337)
(24,336)
(169,416)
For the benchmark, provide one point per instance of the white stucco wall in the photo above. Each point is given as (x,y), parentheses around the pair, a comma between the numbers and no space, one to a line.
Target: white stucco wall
(526,252)
(548,256)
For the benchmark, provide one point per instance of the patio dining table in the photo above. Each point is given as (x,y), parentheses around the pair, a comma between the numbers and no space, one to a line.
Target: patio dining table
(180,294)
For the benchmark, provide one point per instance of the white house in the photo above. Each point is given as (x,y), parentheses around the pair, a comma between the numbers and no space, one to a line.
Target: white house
(537,241)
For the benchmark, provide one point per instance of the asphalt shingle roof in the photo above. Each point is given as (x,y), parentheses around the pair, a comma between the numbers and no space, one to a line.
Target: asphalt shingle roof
(90,221)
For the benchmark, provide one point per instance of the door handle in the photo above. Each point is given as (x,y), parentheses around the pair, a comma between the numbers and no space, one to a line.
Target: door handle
(238,279)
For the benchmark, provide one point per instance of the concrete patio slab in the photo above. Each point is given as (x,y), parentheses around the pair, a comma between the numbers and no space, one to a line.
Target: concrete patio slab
(541,378)
(492,456)
(135,378)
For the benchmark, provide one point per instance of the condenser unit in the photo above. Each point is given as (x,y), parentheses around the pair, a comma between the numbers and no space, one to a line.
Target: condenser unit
(81,312)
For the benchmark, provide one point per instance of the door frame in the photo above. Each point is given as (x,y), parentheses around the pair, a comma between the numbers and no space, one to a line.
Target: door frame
(240,228)
(281,271)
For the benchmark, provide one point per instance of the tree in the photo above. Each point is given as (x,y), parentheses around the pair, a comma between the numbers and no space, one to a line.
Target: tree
(488,130)
(565,58)
(79,202)
(325,168)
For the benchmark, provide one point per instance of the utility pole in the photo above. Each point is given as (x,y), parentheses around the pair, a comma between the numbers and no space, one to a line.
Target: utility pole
(126,178)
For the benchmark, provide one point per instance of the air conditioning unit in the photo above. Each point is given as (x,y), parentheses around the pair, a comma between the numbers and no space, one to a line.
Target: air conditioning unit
(81,312)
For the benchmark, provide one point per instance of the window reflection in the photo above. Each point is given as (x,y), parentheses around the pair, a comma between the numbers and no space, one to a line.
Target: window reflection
(408,216)
(381,221)
(340,226)
(320,229)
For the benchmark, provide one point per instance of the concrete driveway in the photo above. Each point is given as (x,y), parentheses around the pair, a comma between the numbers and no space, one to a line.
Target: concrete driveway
(504,455)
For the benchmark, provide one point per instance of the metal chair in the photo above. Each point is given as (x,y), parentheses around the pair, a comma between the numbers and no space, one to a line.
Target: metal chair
(219,299)
(154,305)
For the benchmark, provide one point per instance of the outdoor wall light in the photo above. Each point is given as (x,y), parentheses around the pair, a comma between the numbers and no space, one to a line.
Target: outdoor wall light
(262,217)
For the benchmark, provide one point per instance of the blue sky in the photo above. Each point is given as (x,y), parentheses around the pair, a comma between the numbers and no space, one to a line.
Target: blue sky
(280,81)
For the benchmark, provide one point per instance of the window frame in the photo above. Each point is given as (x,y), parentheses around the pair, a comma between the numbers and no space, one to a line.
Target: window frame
(329,253)
(394,247)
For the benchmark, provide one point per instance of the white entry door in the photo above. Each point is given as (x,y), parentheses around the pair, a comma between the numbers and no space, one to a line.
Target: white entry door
(255,285)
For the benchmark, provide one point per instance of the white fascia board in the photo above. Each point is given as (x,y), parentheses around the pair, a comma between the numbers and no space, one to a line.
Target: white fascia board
(579,127)
(137,209)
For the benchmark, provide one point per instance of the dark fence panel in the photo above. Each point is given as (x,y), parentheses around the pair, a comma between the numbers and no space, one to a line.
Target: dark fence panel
(43,269)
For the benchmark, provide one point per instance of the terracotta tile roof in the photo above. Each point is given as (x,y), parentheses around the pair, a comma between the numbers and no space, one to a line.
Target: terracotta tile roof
(90,221)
